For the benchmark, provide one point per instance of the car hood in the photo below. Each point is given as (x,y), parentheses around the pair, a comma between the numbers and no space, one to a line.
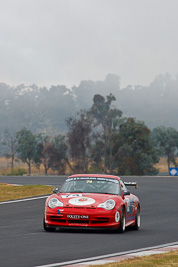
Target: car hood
(84,199)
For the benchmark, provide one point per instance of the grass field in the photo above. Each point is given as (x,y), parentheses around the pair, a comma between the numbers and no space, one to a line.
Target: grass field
(162,165)
(164,260)
(5,167)
(11,192)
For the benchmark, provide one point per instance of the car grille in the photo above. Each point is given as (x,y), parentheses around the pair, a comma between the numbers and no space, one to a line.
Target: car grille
(57,219)
(95,220)
(69,207)
(100,220)
(79,221)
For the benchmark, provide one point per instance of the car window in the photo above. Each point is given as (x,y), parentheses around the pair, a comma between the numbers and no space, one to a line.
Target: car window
(124,188)
(91,185)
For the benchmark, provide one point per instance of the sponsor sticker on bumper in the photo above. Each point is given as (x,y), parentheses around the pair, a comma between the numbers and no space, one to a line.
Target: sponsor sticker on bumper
(78,216)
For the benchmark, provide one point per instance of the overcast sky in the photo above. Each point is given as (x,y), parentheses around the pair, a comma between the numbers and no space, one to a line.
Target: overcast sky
(50,42)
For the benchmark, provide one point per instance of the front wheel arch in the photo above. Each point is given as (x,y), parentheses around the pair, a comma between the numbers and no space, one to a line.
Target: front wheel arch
(137,219)
(121,228)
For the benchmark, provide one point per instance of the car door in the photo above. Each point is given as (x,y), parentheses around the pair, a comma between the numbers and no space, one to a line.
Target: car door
(129,203)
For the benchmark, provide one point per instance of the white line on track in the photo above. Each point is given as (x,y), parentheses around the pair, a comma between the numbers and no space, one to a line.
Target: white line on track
(89,260)
(22,200)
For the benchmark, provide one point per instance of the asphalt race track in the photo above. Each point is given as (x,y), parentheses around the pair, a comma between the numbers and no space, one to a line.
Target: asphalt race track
(25,244)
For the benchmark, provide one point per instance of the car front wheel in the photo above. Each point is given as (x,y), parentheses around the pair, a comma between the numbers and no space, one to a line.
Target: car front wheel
(137,219)
(121,228)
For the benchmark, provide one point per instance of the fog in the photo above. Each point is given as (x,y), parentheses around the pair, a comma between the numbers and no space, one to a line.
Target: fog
(54,42)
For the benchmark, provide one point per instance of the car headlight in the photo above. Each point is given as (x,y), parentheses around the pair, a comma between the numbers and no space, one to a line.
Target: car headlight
(108,204)
(54,202)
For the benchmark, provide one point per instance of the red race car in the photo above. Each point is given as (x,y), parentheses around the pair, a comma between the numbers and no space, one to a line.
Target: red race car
(92,201)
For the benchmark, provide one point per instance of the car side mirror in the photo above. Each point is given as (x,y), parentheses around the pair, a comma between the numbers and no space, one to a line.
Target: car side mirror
(126,193)
(55,190)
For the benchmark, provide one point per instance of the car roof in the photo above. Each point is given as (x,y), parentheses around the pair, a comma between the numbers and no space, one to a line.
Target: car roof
(96,175)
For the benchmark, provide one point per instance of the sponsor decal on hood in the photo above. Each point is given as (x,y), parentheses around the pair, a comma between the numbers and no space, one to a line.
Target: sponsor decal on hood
(81,201)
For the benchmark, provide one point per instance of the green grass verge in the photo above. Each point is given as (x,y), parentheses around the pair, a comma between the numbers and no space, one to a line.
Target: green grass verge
(11,192)
(164,260)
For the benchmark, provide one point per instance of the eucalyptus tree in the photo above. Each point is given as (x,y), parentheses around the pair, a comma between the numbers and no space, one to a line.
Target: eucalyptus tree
(134,152)
(10,142)
(166,140)
(79,139)
(28,148)
(107,120)
(46,149)
(59,154)
(54,153)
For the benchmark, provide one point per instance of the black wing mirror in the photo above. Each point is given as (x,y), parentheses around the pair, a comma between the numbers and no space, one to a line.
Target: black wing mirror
(55,190)
(126,193)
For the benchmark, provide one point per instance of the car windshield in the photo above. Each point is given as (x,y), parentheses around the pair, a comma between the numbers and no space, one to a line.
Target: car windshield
(99,185)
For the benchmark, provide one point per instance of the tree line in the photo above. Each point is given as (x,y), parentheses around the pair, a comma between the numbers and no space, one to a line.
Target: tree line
(45,110)
(98,140)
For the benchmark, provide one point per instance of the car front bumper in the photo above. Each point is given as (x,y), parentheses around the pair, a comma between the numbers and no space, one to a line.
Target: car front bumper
(82,217)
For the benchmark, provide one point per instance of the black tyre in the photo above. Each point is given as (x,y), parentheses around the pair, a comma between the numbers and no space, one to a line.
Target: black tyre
(121,228)
(47,228)
(137,219)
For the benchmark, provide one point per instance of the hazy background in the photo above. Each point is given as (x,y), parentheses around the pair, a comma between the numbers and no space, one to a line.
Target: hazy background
(51,42)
